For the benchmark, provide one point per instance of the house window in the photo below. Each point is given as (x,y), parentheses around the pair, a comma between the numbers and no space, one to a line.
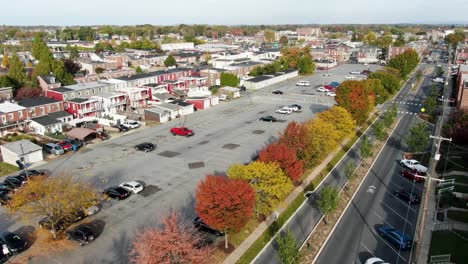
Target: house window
(3,119)
(79,93)
(20,114)
(64,96)
(42,111)
(10,116)
(73,106)
(48,108)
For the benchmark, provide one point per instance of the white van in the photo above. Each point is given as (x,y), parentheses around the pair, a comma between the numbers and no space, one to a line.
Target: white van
(303,83)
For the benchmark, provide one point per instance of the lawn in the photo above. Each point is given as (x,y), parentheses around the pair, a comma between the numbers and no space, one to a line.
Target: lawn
(461,188)
(460,216)
(459,178)
(450,242)
(6,168)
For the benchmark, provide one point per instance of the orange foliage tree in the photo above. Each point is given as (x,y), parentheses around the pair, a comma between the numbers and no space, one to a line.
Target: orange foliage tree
(176,242)
(295,137)
(357,98)
(225,204)
(286,159)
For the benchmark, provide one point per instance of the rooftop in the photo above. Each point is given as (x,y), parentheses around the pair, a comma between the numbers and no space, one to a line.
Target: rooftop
(59,114)
(109,95)
(7,107)
(81,100)
(22,146)
(258,79)
(46,120)
(151,74)
(36,101)
(83,86)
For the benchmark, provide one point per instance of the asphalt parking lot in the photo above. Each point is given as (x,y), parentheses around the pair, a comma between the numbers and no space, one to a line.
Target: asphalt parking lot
(225,134)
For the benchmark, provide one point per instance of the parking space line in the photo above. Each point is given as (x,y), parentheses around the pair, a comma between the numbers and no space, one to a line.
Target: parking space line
(396,213)
(407,181)
(368,250)
(385,241)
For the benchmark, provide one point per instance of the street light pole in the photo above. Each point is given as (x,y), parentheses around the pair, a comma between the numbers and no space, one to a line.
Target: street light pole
(25,168)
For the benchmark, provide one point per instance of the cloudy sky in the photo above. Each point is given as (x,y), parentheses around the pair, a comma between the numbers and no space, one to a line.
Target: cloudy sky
(235,12)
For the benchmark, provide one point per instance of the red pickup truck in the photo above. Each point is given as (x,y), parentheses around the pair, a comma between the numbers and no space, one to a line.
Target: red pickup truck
(182,131)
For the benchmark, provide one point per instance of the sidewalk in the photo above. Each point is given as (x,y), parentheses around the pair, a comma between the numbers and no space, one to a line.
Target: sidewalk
(423,255)
(239,251)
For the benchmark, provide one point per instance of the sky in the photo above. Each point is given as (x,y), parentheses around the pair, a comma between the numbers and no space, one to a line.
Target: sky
(235,12)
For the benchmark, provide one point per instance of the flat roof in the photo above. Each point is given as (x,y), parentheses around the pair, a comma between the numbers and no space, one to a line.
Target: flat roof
(7,107)
(109,94)
(259,79)
(82,86)
(27,145)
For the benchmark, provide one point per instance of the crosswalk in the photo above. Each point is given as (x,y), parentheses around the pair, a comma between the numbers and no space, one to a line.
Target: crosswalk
(406,103)
(403,112)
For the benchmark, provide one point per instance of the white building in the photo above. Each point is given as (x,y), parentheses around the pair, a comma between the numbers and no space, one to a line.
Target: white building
(45,124)
(21,150)
(266,80)
(177,46)
(111,102)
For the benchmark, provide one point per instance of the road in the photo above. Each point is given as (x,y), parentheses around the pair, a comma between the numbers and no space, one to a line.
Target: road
(339,247)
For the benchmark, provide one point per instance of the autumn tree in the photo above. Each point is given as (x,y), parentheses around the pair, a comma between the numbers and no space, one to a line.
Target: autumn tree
(328,201)
(390,81)
(342,121)
(288,251)
(27,92)
(71,66)
(269,36)
(269,181)
(176,242)
(225,204)
(285,157)
(322,138)
(418,138)
(6,61)
(99,70)
(295,137)
(57,198)
(405,62)
(298,58)
(357,98)
(284,40)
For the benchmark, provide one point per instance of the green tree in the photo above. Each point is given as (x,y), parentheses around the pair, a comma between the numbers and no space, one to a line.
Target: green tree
(6,61)
(366,148)
(405,62)
(99,70)
(16,72)
(229,79)
(369,38)
(379,130)
(389,116)
(138,70)
(271,184)
(455,38)
(269,36)
(418,138)
(62,74)
(284,40)
(328,201)
(170,61)
(378,89)
(288,251)
(349,169)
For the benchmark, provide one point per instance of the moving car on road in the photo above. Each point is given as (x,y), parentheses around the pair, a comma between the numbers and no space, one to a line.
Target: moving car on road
(146,147)
(82,234)
(292,108)
(299,107)
(406,196)
(396,237)
(413,164)
(268,119)
(277,92)
(132,186)
(182,131)
(116,192)
(349,77)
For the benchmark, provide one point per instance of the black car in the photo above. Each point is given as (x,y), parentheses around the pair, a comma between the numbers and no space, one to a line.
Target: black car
(146,147)
(82,234)
(17,178)
(268,119)
(200,225)
(298,106)
(14,182)
(7,187)
(32,173)
(4,198)
(13,242)
(116,192)
(277,92)
(122,128)
(406,196)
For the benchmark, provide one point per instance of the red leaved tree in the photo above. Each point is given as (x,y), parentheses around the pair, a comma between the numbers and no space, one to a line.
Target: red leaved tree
(225,204)
(176,242)
(27,92)
(285,157)
(294,136)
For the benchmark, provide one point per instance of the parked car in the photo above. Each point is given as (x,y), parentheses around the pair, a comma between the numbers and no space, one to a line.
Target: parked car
(299,107)
(83,234)
(356,72)
(223,97)
(53,148)
(131,124)
(7,187)
(4,197)
(329,87)
(121,128)
(16,181)
(18,178)
(146,147)
(76,143)
(13,242)
(335,84)
(327,74)
(407,196)
(332,94)
(322,89)
(200,225)
(277,92)
(375,260)
(116,192)
(292,108)
(91,210)
(413,164)
(32,173)
(303,83)
(349,77)
(411,174)
(182,131)
(65,145)
(283,111)
(268,119)
(396,237)
(132,186)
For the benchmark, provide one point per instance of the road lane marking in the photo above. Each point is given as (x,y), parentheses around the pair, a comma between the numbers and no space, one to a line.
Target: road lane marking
(396,213)
(384,240)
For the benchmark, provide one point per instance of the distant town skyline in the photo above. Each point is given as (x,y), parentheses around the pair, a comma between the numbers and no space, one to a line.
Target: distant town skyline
(240,12)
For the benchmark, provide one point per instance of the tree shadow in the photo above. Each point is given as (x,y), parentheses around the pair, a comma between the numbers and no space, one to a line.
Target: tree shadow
(27,233)
(97,226)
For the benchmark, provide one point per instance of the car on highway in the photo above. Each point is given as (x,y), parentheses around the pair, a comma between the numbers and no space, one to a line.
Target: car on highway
(14,243)
(53,148)
(116,192)
(182,131)
(83,234)
(396,237)
(407,196)
(322,89)
(200,225)
(303,83)
(284,111)
(332,94)
(132,186)
(268,119)
(375,260)
(131,124)
(412,175)
(65,145)
(413,165)
(146,147)
(277,92)
(299,107)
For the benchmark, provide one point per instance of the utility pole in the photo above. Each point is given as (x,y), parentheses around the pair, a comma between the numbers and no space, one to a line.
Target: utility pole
(25,168)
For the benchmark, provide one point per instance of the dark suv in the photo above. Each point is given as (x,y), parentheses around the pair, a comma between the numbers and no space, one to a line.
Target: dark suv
(82,234)
(200,225)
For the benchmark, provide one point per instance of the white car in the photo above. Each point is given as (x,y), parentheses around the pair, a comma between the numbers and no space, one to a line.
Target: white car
(332,94)
(291,108)
(413,165)
(355,72)
(283,111)
(322,89)
(132,186)
(92,210)
(327,74)
(131,124)
(303,83)
(375,260)
(349,77)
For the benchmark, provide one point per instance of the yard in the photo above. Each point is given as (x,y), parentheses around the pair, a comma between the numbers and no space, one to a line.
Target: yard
(6,169)
(460,216)
(453,242)
(458,178)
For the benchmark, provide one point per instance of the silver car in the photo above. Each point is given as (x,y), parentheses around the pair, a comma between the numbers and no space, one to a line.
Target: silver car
(53,148)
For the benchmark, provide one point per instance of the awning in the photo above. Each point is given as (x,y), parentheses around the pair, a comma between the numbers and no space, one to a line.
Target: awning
(80,133)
